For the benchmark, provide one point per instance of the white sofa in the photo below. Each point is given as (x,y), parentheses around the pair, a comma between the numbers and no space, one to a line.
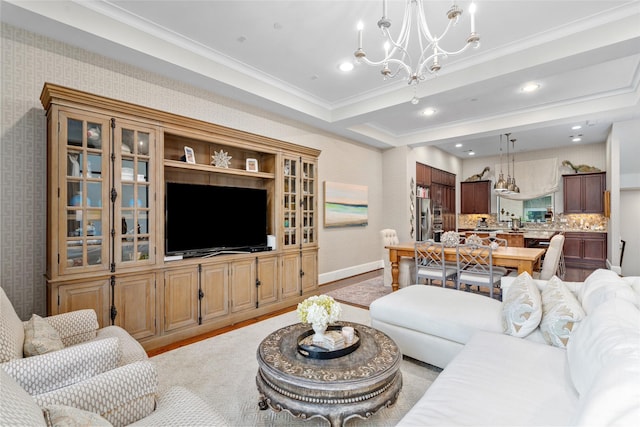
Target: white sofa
(491,377)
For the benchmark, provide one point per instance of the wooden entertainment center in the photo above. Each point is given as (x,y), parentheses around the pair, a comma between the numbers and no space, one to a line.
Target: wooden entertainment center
(108,163)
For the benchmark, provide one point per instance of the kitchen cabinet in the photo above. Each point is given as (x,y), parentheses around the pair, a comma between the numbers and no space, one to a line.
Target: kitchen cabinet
(442,191)
(475,197)
(514,239)
(585,249)
(584,193)
(423,175)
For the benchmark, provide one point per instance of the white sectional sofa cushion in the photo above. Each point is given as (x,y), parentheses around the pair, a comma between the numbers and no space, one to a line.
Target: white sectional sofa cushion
(431,323)
(496,380)
(603,285)
(609,335)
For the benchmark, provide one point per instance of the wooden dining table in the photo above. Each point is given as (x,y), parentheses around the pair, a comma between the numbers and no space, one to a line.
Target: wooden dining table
(524,259)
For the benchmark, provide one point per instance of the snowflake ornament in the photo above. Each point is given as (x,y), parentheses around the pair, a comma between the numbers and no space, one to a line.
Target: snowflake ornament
(221,159)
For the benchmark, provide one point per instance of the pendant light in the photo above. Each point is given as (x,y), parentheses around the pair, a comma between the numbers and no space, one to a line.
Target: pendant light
(501,185)
(512,185)
(509,179)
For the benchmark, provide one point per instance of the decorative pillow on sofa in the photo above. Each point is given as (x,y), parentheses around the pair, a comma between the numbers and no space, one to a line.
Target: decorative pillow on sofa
(560,313)
(68,416)
(521,307)
(40,337)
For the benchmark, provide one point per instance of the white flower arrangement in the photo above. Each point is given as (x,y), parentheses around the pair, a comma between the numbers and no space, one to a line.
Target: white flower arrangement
(474,239)
(450,239)
(319,310)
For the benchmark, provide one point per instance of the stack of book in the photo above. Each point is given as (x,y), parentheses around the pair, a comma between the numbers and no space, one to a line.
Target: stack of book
(333,340)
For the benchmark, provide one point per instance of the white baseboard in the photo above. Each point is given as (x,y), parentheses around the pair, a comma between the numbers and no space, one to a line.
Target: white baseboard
(332,276)
(615,268)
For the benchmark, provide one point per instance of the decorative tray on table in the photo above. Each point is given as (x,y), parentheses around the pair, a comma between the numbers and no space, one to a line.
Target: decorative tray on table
(325,350)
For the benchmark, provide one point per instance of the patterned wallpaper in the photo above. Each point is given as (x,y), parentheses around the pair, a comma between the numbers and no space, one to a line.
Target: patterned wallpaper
(28,61)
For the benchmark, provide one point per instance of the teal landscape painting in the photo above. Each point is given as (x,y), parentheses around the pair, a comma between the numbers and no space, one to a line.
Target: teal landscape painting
(345,205)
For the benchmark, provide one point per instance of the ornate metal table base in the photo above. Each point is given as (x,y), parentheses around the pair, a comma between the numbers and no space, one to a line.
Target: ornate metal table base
(356,385)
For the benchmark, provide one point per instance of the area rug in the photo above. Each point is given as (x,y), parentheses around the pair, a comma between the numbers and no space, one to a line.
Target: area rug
(221,370)
(361,294)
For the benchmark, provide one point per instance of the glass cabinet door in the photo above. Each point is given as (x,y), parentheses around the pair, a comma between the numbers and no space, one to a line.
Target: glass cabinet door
(308,202)
(300,202)
(134,214)
(84,181)
(290,202)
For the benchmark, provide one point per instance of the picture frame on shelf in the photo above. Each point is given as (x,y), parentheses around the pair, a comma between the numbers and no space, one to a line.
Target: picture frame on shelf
(252,165)
(189,155)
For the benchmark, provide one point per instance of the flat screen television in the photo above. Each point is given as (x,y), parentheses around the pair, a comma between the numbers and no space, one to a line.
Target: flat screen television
(205,219)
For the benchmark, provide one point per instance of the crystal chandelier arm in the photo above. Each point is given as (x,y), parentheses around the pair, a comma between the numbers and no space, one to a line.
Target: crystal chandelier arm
(424,27)
(403,38)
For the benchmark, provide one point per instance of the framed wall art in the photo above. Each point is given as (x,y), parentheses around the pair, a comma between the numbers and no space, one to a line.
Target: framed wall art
(345,205)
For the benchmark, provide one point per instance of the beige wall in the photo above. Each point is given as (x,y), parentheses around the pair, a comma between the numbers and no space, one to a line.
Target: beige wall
(28,61)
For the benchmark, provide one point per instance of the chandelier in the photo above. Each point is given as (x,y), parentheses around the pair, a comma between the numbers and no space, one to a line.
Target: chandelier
(396,52)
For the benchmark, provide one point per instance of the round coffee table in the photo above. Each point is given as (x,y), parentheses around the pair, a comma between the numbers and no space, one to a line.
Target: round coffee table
(355,385)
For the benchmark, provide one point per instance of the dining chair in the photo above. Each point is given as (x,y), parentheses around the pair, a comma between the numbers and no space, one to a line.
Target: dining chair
(502,243)
(406,265)
(553,263)
(475,267)
(430,263)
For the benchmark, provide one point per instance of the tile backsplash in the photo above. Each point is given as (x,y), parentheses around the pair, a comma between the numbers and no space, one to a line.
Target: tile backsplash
(564,222)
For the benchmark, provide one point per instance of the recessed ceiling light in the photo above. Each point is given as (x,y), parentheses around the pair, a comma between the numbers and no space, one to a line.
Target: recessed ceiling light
(346,66)
(576,127)
(429,111)
(530,87)
(576,139)
(472,153)
(458,145)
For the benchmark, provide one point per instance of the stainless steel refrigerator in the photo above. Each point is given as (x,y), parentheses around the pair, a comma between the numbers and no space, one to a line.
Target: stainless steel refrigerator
(424,219)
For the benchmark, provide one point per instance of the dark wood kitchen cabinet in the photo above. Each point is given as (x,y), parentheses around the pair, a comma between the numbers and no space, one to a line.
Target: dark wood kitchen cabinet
(584,193)
(475,197)
(423,175)
(442,192)
(585,249)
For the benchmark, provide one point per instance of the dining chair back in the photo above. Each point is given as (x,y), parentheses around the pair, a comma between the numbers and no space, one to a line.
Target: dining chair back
(552,259)
(406,265)
(475,267)
(430,263)
(502,243)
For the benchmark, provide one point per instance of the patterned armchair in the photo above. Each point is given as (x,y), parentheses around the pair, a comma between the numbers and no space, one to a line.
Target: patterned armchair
(123,396)
(62,349)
